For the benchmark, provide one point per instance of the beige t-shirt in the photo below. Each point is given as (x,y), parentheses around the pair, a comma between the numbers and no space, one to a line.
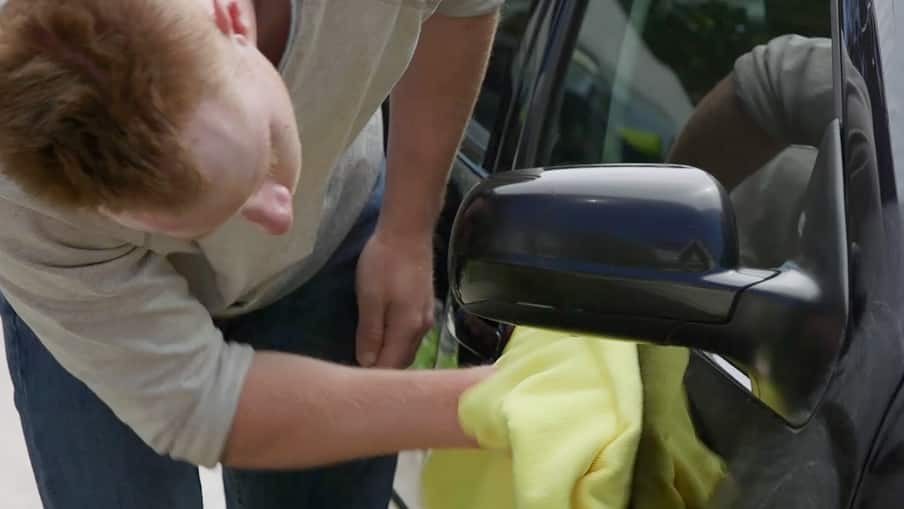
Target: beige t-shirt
(130,314)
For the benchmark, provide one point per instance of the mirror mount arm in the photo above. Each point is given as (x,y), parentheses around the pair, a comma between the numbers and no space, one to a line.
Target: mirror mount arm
(775,325)
(788,331)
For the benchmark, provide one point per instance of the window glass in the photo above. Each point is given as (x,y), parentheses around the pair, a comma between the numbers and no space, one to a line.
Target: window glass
(639,68)
(753,77)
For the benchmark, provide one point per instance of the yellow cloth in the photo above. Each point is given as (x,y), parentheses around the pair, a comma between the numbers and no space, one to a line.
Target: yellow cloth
(561,425)
(673,469)
(560,421)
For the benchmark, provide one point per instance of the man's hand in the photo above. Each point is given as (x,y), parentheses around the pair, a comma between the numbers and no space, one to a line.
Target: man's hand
(395,299)
(429,109)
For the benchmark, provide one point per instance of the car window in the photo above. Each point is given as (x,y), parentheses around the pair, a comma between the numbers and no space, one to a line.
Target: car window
(742,89)
(641,69)
(501,78)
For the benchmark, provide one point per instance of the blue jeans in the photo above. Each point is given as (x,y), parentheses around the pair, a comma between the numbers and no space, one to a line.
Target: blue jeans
(85,458)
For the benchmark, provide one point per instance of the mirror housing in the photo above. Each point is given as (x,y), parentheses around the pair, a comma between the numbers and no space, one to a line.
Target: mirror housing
(649,253)
(624,249)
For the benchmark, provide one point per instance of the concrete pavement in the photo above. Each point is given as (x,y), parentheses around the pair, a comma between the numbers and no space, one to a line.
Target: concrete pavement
(17,486)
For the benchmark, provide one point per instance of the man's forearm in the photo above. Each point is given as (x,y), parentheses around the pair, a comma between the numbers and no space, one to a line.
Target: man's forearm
(296,412)
(723,139)
(429,109)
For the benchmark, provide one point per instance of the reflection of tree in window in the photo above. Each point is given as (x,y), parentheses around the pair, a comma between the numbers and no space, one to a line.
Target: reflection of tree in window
(701,39)
(639,67)
(617,101)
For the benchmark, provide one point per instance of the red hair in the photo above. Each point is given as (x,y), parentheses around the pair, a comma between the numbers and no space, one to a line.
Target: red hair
(93,98)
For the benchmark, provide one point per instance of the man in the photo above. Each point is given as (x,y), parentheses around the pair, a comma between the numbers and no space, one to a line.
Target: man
(171,264)
(758,131)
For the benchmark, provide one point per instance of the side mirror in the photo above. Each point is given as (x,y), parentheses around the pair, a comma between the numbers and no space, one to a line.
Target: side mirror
(650,253)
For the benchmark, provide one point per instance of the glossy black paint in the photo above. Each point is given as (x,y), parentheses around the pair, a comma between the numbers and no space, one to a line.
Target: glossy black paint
(551,64)
(875,219)
(801,314)
(849,452)
(883,484)
(839,459)
(650,253)
(544,28)
(598,244)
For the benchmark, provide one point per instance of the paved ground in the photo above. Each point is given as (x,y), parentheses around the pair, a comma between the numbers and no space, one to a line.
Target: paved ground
(17,486)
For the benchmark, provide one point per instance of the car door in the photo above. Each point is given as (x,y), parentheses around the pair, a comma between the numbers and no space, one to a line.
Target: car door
(869,38)
(620,81)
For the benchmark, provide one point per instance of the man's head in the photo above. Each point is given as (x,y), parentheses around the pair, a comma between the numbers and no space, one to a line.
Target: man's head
(161,114)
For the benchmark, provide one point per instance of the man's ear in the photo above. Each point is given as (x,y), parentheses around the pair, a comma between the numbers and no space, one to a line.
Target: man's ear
(231,17)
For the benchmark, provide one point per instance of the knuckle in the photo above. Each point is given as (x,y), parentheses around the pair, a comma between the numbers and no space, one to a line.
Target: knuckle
(369,334)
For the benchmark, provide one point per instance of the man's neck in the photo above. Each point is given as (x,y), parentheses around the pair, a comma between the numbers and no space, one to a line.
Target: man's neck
(274,21)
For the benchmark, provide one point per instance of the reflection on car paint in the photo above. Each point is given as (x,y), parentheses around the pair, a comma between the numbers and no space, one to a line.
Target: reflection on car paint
(599,110)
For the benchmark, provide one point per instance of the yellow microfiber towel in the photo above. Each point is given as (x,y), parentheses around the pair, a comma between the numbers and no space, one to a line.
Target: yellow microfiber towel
(674,469)
(559,422)
(562,423)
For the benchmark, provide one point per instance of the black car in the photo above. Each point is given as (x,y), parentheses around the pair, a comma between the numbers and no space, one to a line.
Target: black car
(721,175)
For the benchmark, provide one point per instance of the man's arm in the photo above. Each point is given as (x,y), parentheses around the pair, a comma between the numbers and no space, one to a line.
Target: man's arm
(755,112)
(122,321)
(297,412)
(723,139)
(429,109)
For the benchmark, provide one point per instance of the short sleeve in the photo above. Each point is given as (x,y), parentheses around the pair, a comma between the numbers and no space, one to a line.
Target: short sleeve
(781,84)
(122,320)
(464,8)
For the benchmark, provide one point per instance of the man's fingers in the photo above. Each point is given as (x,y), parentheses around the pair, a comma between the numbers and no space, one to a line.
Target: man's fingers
(404,329)
(369,337)
(429,315)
